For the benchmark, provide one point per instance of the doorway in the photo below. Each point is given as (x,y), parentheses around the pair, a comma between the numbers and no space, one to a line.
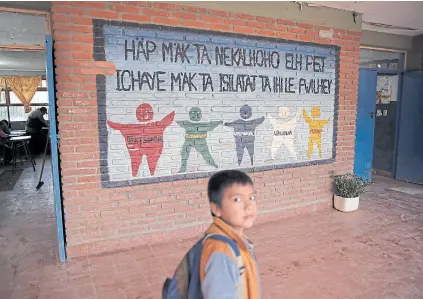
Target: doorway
(387,94)
(30,218)
(377,114)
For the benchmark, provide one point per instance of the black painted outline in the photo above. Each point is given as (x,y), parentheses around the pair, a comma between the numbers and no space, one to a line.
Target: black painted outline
(99,54)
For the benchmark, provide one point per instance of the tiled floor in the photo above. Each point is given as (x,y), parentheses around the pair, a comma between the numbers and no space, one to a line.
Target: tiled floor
(376,252)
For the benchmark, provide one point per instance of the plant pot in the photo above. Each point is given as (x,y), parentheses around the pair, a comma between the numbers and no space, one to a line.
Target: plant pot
(346,204)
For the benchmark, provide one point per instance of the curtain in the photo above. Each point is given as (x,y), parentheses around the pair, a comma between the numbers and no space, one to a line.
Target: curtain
(24,88)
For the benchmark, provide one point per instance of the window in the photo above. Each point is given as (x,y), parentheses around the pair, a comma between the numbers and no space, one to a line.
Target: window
(12,109)
(40,97)
(3,113)
(378,59)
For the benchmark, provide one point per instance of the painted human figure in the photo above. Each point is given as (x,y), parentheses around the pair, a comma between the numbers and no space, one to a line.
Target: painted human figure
(145,138)
(284,132)
(244,132)
(316,126)
(196,137)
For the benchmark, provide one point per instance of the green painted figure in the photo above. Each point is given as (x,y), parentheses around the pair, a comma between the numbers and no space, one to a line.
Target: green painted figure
(195,136)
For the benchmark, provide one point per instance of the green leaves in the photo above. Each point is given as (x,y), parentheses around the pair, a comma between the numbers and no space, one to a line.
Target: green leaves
(349,186)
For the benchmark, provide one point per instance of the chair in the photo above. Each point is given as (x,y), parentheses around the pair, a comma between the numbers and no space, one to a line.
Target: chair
(17,143)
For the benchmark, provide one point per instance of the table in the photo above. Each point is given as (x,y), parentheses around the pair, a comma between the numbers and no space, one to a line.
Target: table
(17,133)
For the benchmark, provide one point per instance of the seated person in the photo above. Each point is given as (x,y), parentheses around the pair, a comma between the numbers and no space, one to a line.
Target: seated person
(34,126)
(6,128)
(5,149)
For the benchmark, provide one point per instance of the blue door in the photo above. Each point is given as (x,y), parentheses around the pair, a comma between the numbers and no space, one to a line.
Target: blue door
(365,126)
(409,165)
(54,139)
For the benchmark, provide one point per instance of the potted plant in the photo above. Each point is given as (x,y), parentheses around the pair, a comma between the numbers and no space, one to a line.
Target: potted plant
(348,189)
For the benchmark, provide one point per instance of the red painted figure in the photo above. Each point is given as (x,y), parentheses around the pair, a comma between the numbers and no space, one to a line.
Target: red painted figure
(145,138)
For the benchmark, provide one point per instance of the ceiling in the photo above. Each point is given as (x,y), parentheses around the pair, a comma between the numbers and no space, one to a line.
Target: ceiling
(395,13)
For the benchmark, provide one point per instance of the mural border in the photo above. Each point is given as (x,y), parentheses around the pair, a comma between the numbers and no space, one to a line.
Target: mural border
(99,54)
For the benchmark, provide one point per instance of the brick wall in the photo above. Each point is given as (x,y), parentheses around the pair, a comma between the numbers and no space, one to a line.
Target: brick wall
(111,203)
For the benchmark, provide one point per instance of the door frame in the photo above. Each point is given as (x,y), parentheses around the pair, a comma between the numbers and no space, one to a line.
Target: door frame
(47,48)
(400,73)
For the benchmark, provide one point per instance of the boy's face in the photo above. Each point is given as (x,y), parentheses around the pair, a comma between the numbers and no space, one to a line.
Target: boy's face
(238,207)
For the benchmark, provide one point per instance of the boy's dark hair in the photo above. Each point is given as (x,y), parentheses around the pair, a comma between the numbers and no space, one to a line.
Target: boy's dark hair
(43,109)
(223,179)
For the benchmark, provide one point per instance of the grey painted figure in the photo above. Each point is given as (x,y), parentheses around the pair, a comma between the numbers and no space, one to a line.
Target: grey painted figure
(244,132)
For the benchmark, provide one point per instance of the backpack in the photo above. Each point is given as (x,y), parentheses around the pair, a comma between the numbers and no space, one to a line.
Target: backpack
(185,284)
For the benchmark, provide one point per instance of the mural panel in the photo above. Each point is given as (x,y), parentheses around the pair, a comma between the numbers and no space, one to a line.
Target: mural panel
(185,103)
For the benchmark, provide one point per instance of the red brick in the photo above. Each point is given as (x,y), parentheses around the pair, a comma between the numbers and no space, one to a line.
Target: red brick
(167,6)
(103,14)
(198,10)
(70,28)
(161,199)
(306,38)
(114,212)
(212,19)
(88,179)
(82,55)
(170,205)
(244,30)
(265,19)
(220,13)
(304,25)
(235,22)
(66,86)
(296,30)
(184,15)
(264,32)
(132,203)
(244,16)
(93,71)
(285,35)
(155,12)
(88,4)
(60,18)
(83,39)
(142,209)
(63,37)
(160,212)
(83,118)
(277,27)
(82,21)
(124,8)
(285,22)
(256,24)
(312,32)
(194,24)
(220,27)
(73,47)
(168,21)
(137,18)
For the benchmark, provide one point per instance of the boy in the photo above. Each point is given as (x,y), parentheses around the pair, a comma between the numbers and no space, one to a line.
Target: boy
(233,206)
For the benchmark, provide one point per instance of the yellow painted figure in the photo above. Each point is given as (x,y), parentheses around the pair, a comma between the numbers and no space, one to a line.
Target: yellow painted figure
(316,125)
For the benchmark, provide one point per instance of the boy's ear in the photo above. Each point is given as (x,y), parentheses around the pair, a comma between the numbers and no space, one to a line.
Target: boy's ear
(215,209)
